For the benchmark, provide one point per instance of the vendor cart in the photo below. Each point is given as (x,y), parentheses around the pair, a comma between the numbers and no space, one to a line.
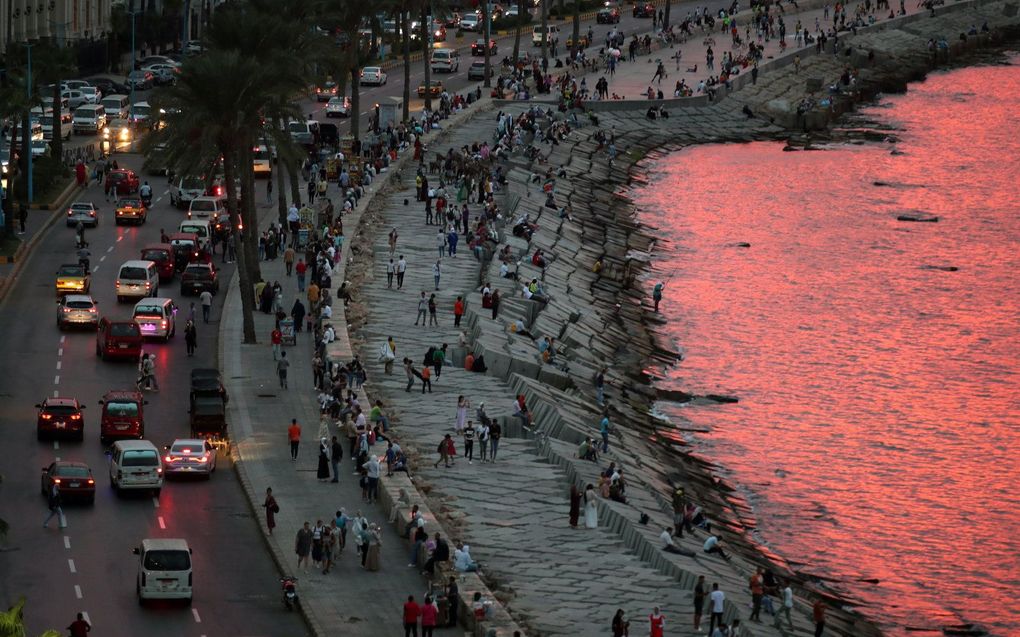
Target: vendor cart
(288,335)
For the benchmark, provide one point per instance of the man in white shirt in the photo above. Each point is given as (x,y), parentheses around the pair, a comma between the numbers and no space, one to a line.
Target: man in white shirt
(712,545)
(667,540)
(717,599)
(787,606)
(326,312)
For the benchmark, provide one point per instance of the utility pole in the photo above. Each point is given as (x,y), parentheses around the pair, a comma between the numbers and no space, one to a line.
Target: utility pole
(28,88)
(131,80)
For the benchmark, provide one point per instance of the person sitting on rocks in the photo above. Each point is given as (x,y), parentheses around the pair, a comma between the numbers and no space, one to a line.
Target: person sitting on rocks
(667,539)
(462,560)
(588,451)
(618,488)
(712,545)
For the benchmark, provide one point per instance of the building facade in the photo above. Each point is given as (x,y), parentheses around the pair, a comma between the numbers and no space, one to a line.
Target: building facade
(65,21)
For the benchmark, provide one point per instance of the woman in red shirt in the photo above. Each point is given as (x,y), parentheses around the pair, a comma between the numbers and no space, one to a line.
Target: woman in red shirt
(429,615)
(411,613)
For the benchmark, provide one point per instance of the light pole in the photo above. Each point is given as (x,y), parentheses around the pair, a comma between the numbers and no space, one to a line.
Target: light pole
(28,88)
(131,80)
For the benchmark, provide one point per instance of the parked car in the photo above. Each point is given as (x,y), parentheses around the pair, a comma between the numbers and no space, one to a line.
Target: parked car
(608,15)
(123,181)
(74,98)
(118,339)
(72,278)
(77,309)
(198,277)
(91,93)
(644,10)
(60,417)
(339,107)
(478,47)
(140,80)
(109,87)
(373,75)
(84,211)
(73,480)
(162,74)
(190,456)
(477,70)
(325,91)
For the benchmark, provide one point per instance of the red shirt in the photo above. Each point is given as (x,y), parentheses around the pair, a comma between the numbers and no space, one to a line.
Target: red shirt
(819,611)
(294,433)
(658,624)
(276,337)
(458,308)
(756,587)
(429,614)
(411,612)
(301,267)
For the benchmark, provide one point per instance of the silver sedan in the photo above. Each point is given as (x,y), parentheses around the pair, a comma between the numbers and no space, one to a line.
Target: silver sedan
(190,456)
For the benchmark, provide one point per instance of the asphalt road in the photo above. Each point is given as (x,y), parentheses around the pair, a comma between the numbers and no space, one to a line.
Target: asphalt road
(89,565)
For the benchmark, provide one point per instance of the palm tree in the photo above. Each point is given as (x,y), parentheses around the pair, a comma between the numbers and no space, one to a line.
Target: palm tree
(12,622)
(52,64)
(517,29)
(545,28)
(14,105)
(487,30)
(425,33)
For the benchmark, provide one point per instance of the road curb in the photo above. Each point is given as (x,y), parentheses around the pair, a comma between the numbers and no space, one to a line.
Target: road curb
(24,252)
(61,199)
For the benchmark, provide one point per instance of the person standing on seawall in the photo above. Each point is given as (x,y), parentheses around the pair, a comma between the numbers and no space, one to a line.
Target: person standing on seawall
(657,294)
(818,611)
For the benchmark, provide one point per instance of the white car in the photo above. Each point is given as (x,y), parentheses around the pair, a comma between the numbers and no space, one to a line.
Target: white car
(470,22)
(338,107)
(163,74)
(74,97)
(74,84)
(445,61)
(192,456)
(373,76)
(91,93)
(77,309)
(84,211)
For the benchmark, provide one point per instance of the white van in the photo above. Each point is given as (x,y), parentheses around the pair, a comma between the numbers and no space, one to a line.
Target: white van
(137,279)
(200,227)
(135,464)
(164,570)
(91,93)
(184,189)
(303,132)
(90,118)
(554,35)
(445,61)
(116,106)
(156,318)
(262,161)
(211,208)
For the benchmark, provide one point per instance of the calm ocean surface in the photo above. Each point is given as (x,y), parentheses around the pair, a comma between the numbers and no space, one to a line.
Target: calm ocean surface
(878,429)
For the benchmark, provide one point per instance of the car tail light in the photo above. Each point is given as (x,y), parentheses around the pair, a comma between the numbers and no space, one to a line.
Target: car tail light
(148,284)
(67,309)
(205,458)
(69,213)
(46,416)
(91,481)
(168,459)
(56,480)
(163,324)
(75,416)
(93,310)
(92,213)
(117,283)
(159,470)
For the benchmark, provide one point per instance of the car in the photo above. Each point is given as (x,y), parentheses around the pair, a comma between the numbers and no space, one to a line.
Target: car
(73,278)
(325,91)
(74,98)
(206,207)
(193,47)
(118,339)
(186,249)
(477,70)
(478,47)
(157,317)
(73,481)
(608,15)
(582,41)
(60,417)
(452,21)
(262,160)
(198,277)
(75,85)
(643,10)
(135,464)
(157,59)
(108,86)
(162,254)
(373,76)
(77,309)
(123,181)
(91,93)
(84,211)
(470,22)
(140,80)
(435,88)
(123,416)
(118,131)
(130,209)
(189,456)
(184,189)
(445,61)
(162,74)
(141,116)
(339,107)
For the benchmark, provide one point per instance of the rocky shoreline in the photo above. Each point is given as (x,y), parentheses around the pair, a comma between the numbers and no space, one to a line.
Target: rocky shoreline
(551,579)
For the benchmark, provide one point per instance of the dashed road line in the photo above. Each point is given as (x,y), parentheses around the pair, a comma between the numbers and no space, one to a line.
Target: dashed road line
(56,393)
(120,238)
(59,364)
(60,351)
(155,502)
(56,379)
(67,543)
(162,523)
(56,445)
(102,258)
(194,612)
(62,337)
(85,615)
(56,459)
(70,565)
(110,249)
(77,591)
(95,269)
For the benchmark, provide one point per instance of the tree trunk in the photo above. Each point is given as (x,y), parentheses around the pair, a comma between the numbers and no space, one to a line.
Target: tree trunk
(405,26)
(665,16)
(243,275)
(57,141)
(487,38)
(517,28)
(577,29)
(426,30)
(26,146)
(281,193)
(355,96)
(248,210)
(12,172)
(545,29)
(295,188)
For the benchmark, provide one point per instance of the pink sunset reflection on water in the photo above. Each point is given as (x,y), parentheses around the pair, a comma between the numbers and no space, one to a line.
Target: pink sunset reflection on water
(878,426)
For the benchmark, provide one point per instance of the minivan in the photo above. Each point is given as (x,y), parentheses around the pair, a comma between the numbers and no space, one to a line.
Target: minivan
(184,189)
(554,35)
(90,118)
(211,208)
(199,227)
(137,279)
(123,416)
(156,318)
(303,132)
(445,61)
(135,464)
(164,570)
(162,254)
(91,93)
(116,106)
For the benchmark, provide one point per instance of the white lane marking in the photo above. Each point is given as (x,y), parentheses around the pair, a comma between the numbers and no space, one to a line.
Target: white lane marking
(60,351)
(59,363)
(155,502)
(95,269)
(165,192)
(56,459)
(67,542)
(120,238)
(55,393)
(56,379)
(102,258)
(62,337)
(162,523)
(77,591)
(110,249)
(70,565)
(85,615)
(194,611)
(159,200)
(56,445)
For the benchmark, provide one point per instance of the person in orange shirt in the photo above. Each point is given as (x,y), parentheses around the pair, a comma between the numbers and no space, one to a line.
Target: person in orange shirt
(294,436)
(313,295)
(458,310)
(757,592)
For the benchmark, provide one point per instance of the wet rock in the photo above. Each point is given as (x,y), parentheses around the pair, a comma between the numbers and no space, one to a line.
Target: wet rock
(918,218)
(943,268)
(721,398)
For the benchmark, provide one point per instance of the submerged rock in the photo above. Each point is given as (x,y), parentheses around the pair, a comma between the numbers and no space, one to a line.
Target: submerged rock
(918,218)
(943,268)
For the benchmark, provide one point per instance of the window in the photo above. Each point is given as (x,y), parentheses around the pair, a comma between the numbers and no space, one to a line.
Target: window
(71,472)
(122,409)
(61,410)
(133,273)
(139,458)
(167,561)
(124,329)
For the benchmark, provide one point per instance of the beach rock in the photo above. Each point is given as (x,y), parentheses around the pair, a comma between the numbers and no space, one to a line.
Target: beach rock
(720,398)
(739,244)
(943,268)
(918,218)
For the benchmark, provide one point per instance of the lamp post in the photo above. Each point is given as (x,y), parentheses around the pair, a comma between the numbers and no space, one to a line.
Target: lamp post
(28,88)
(131,81)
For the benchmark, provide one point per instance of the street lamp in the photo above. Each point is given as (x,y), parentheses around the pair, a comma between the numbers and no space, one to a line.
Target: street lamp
(131,80)
(28,88)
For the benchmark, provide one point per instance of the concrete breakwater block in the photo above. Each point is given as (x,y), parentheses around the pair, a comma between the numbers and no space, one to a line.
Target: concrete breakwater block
(918,218)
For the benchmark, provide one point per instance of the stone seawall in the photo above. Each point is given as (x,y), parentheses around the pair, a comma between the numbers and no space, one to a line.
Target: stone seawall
(555,580)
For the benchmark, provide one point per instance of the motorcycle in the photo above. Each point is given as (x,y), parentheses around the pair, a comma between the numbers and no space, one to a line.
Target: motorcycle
(290,597)
(146,199)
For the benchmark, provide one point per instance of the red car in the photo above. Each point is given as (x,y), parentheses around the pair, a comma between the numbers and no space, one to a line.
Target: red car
(162,254)
(123,416)
(478,47)
(73,480)
(122,181)
(118,339)
(645,10)
(60,417)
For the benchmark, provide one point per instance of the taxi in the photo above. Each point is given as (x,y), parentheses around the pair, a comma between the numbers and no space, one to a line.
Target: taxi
(435,88)
(130,209)
(73,279)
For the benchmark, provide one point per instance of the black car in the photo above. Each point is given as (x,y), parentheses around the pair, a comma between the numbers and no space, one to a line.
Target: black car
(608,15)
(108,86)
(198,277)
(644,10)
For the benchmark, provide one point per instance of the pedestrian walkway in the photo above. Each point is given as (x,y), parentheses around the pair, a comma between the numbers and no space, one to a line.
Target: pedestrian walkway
(36,224)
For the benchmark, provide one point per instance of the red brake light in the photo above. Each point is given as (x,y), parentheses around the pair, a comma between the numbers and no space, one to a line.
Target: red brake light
(69,213)
(205,458)
(56,480)
(92,309)
(92,213)
(75,416)
(118,282)
(163,324)
(159,470)
(46,416)
(168,459)
(91,481)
